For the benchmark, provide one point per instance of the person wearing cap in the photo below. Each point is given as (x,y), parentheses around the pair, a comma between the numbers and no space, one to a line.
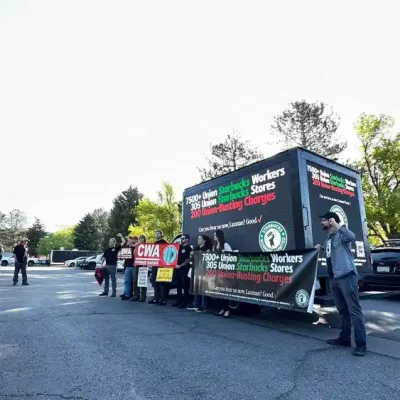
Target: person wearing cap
(181,273)
(160,288)
(129,265)
(139,293)
(21,258)
(344,282)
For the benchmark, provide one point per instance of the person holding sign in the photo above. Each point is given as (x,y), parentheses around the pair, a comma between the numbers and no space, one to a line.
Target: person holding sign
(344,282)
(110,256)
(128,264)
(181,273)
(200,302)
(160,288)
(220,245)
(139,292)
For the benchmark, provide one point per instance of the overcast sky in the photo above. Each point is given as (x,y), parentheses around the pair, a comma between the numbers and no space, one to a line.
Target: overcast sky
(99,95)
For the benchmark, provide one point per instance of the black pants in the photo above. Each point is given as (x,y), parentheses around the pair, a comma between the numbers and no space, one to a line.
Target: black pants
(183,285)
(20,267)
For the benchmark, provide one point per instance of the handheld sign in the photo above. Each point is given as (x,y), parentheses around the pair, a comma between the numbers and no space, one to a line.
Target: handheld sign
(125,253)
(164,274)
(142,276)
(158,255)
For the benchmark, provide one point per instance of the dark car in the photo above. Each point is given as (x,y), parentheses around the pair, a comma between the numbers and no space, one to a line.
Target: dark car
(386,268)
(88,263)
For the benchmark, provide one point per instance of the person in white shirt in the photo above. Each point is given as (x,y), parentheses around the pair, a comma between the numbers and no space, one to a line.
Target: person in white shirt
(221,245)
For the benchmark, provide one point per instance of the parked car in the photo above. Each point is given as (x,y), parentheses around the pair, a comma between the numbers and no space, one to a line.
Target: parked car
(91,262)
(386,268)
(8,259)
(74,263)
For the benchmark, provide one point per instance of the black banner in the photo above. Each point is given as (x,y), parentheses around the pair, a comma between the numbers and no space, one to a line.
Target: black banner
(253,206)
(283,279)
(332,191)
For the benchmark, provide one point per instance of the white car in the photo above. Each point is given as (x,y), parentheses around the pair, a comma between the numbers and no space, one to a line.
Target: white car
(8,259)
(73,263)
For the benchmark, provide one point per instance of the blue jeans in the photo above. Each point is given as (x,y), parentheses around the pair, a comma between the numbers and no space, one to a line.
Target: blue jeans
(128,281)
(200,301)
(345,294)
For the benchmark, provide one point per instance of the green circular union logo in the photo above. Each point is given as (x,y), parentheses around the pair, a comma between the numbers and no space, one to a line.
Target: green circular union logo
(272,237)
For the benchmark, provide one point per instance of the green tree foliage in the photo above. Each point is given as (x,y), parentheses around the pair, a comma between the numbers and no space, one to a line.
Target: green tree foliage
(379,164)
(163,214)
(233,153)
(12,227)
(91,231)
(35,233)
(54,241)
(101,221)
(86,234)
(309,125)
(123,212)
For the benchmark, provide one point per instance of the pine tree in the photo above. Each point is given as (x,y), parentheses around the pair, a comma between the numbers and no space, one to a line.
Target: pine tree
(309,125)
(122,214)
(35,233)
(233,153)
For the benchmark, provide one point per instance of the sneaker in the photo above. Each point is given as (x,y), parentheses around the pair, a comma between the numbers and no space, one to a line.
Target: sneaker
(142,300)
(191,307)
(103,294)
(176,304)
(124,298)
(122,295)
(199,309)
(360,351)
(25,284)
(162,303)
(339,342)
(114,295)
(135,299)
(14,283)
(153,301)
(182,307)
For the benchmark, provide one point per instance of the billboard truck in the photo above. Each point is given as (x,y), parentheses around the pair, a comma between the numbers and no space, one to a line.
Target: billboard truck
(274,205)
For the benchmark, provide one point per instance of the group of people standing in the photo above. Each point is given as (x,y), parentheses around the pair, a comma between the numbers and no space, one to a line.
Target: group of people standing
(181,276)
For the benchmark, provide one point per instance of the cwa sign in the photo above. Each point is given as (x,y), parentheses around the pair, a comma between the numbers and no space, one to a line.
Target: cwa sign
(158,255)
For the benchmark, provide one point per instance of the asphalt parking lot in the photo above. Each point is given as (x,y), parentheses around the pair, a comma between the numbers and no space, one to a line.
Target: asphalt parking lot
(59,340)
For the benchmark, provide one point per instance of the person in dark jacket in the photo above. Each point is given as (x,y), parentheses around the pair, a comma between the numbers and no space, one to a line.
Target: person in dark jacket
(160,288)
(344,282)
(181,273)
(21,259)
(110,256)
(200,302)
(129,267)
(139,293)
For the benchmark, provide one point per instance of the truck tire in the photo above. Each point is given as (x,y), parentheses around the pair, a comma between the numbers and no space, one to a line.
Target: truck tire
(31,263)
(72,265)
(4,263)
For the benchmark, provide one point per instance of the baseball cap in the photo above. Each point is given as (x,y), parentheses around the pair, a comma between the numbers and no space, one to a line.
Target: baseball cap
(330,215)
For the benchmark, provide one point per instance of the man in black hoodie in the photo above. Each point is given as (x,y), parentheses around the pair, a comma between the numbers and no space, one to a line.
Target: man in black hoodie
(160,288)
(181,273)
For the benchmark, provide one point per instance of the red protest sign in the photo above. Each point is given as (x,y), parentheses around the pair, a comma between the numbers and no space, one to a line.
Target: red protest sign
(125,253)
(159,255)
